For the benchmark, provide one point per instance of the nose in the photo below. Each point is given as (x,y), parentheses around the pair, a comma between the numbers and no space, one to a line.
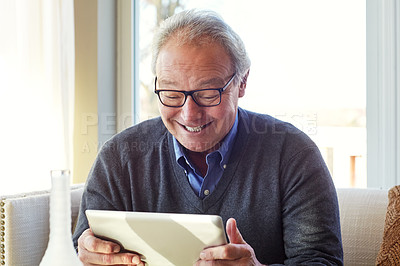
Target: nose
(190,111)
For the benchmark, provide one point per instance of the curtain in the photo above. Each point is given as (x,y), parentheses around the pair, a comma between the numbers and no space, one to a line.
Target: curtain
(37,59)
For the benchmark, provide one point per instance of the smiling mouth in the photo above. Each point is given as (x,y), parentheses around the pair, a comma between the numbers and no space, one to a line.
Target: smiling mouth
(195,129)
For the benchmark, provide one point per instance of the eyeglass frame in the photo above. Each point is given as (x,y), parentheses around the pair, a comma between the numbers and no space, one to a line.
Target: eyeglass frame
(190,93)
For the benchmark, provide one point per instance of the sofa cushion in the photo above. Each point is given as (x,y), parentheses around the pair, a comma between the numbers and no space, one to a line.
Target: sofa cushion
(389,253)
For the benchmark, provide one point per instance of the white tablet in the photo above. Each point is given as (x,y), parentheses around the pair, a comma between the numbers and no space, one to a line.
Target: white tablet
(161,238)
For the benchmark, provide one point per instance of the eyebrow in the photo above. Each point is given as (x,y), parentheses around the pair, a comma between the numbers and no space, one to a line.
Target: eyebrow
(166,82)
(211,82)
(206,83)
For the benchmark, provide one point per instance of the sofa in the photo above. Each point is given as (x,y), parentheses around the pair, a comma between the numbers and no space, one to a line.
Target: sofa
(362,218)
(24,224)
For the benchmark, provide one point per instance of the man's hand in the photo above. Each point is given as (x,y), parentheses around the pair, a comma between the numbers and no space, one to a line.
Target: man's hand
(95,251)
(237,252)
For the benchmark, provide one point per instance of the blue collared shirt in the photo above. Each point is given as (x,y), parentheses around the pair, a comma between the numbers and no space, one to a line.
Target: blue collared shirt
(216,162)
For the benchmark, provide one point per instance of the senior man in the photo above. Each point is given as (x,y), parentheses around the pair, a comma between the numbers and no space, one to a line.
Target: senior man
(205,155)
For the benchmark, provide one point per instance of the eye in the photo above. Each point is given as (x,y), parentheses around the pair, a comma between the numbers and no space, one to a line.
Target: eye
(207,95)
(171,95)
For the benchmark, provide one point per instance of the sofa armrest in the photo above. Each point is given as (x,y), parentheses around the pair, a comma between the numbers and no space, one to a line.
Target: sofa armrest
(24,220)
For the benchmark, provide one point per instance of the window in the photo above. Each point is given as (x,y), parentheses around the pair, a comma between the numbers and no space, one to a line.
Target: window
(36,92)
(308,63)
(316,58)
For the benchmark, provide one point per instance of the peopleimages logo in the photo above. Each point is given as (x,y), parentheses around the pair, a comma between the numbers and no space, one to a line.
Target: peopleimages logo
(107,123)
(275,124)
(306,122)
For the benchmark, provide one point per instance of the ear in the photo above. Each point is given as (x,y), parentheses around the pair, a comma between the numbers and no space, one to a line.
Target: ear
(243,84)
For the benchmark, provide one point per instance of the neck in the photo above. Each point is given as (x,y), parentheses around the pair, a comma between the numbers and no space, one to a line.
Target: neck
(198,159)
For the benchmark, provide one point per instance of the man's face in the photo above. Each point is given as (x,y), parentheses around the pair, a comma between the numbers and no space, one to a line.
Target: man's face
(192,67)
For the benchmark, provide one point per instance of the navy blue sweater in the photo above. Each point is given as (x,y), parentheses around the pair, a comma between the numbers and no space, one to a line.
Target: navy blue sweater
(276,185)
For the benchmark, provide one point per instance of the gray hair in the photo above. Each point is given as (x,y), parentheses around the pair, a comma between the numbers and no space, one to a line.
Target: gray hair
(200,27)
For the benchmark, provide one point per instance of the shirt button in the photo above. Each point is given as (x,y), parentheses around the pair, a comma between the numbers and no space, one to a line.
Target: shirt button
(206,192)
(224,166)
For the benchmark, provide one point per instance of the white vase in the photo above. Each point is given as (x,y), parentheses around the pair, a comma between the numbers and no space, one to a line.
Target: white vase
(60,250)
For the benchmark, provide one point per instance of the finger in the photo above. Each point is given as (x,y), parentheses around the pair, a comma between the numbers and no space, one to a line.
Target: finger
(234,235)
(90,258)
(225,252)
(237,248)
(214,263)
(93,244)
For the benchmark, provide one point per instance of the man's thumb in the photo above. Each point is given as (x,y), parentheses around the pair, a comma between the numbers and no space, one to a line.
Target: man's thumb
(233,232)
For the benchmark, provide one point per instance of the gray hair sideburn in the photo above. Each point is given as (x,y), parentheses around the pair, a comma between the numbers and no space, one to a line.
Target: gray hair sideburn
(201,27)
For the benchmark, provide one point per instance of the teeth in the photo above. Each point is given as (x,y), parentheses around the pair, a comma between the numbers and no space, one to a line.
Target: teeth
(194,129)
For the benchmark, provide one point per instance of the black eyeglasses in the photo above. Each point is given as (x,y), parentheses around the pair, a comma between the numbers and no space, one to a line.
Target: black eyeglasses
(203,97)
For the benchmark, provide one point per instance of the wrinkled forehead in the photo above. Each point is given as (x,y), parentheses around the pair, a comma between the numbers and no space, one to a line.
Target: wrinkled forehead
(204,46)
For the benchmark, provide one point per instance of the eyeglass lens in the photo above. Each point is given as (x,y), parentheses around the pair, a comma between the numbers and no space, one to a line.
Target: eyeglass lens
(207,97)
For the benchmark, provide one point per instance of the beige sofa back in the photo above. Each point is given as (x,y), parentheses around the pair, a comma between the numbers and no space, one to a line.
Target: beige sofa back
(362,217)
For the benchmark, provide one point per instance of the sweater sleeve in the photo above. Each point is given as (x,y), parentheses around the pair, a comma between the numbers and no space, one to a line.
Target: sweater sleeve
(310,212)
(103,187)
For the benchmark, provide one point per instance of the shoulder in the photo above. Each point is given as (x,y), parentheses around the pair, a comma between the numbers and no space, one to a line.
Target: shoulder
(263,126)
(269,136)
(138,139)
(146,130)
